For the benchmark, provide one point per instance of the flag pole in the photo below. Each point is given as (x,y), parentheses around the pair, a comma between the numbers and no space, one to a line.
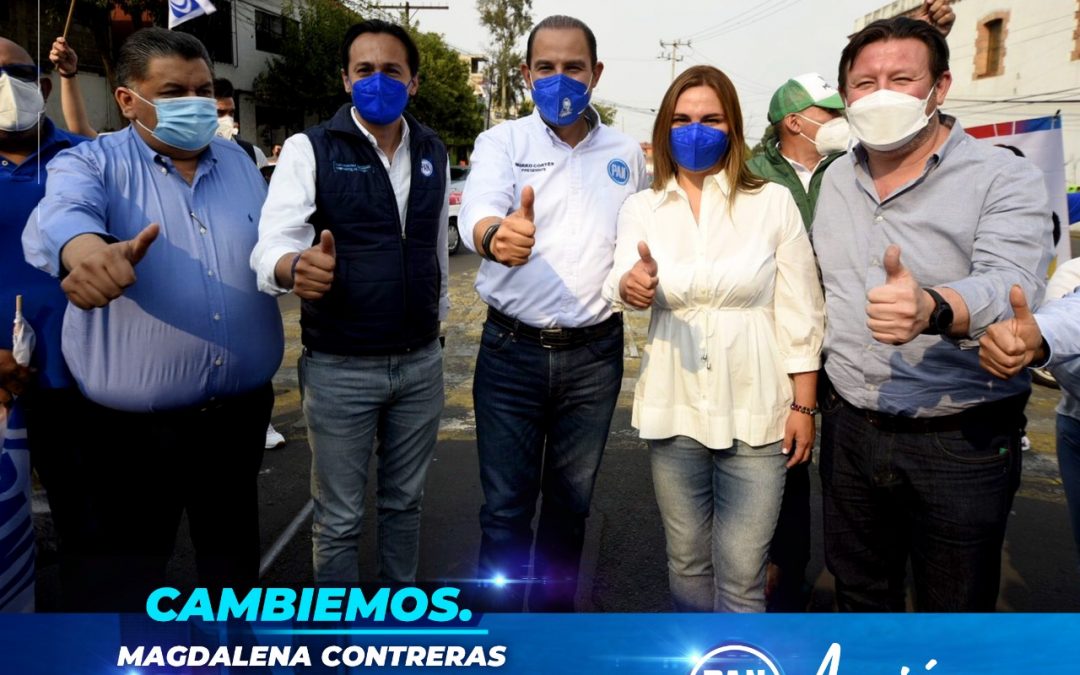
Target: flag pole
(67,24)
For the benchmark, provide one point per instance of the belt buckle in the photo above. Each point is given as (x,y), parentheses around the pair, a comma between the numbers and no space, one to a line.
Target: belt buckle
(552,334)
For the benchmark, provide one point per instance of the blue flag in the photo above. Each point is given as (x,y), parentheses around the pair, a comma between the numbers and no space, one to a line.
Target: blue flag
(182,10)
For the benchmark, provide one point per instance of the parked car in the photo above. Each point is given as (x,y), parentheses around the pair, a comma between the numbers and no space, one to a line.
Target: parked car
(457,186)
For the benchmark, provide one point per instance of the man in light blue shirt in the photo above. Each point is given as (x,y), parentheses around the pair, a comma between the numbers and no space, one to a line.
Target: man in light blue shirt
(166,333)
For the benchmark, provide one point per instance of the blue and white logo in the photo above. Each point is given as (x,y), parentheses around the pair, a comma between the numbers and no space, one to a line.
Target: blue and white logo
(736,659)
(618,171)
(426,168)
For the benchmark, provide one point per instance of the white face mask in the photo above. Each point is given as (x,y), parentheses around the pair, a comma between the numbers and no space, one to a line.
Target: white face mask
(887,119)
(226,127)
(832,136)
(21,104)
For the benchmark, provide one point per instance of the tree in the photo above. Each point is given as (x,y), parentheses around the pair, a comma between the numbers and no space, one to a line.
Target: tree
(445,101)
(307,74)
(507,21)
(607,112)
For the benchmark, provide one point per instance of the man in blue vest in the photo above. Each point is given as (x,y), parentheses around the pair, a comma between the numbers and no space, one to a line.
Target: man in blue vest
(355,224)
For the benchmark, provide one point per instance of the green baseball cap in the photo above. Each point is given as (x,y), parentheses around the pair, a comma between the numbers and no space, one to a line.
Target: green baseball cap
(799,93)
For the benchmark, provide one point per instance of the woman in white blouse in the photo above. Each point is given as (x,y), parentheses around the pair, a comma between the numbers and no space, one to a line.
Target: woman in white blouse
(727,389)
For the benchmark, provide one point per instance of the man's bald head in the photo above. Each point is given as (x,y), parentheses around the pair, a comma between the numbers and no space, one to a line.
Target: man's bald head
(12,52)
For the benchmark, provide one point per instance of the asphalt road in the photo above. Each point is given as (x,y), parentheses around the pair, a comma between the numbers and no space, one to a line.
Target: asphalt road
(624,564)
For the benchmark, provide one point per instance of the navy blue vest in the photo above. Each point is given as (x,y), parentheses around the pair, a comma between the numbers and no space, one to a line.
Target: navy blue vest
(385,295)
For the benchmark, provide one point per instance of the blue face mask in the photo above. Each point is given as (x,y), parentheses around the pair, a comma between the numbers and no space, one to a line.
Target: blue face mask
(379,98)
(560,99)
(696,147)
(186,123)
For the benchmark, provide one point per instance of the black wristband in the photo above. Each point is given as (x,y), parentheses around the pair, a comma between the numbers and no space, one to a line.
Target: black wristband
(67,76)
(485,242)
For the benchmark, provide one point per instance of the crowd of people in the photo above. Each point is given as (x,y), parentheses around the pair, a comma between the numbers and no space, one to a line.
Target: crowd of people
(873,267)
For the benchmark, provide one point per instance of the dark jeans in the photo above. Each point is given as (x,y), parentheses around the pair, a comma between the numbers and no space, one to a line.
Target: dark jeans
(1068,452)
(542,420)
(147,470)
(941,498)
(56,438)
(790,547)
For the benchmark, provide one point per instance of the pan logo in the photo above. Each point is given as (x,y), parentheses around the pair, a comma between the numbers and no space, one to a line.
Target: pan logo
(736,659)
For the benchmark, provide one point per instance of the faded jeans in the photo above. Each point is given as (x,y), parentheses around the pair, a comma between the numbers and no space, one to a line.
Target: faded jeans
(351,402)
(719,509)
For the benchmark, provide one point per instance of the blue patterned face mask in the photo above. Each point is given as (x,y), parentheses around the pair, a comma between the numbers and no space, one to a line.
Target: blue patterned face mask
(696,147)
(187,122)
(560,99)
(379,98)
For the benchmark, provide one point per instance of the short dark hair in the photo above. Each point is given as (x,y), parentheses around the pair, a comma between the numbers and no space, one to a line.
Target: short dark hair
(149,43)
(380,26)
(561,22)
(223,88)
(898,28)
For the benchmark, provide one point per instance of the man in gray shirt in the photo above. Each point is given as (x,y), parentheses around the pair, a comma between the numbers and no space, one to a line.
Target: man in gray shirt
(920,232)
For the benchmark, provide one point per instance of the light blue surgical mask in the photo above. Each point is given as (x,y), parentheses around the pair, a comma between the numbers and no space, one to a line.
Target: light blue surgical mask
(560,99)
(697,147)
(186,123)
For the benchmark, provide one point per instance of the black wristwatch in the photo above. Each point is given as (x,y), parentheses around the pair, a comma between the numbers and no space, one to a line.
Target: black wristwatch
(941,318)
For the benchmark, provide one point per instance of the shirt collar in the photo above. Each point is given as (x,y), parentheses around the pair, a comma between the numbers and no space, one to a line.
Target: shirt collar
(207,159)
(592,118)
(371,137)
(673,189)
(956,136)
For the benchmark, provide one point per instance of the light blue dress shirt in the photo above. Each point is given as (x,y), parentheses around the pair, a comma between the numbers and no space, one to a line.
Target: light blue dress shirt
(193,328)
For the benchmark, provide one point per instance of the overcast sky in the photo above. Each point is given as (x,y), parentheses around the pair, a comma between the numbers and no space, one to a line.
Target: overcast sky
(759,44)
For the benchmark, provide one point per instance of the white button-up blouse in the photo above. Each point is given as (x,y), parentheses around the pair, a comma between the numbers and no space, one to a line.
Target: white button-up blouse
(738,308)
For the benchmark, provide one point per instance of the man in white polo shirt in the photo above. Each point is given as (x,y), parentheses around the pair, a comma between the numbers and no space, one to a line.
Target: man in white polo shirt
(543,196)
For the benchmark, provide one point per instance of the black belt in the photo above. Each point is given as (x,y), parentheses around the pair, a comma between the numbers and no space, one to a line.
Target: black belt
(554,338)
(995,411)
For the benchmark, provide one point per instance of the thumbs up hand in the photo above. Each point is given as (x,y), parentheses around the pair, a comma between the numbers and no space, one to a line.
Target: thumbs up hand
(638,286)
(899,310)
(514,240)
(99,272)
(313,272)
(1010,345)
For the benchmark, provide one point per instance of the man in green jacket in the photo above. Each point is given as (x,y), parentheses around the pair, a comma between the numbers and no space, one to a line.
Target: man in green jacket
(808,132)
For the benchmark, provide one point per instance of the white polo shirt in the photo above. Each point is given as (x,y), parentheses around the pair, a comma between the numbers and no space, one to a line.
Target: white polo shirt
(578,192)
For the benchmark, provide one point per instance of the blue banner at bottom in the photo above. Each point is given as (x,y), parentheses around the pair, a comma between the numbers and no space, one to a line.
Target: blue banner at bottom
(809,644)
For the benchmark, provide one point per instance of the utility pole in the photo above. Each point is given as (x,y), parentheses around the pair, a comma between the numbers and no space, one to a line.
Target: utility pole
(408,8)
(674,54)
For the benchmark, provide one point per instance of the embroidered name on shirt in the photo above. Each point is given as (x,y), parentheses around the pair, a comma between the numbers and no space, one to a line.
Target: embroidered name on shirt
(352,168)
(533,167)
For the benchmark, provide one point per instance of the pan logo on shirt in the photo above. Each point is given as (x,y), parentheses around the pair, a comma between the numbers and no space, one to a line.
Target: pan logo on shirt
(618,171)
(426,168)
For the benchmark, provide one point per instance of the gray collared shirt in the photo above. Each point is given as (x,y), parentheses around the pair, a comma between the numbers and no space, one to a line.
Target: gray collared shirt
(976,221)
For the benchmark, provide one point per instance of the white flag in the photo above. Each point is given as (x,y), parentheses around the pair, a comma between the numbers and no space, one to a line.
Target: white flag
(182,10)
(23,338)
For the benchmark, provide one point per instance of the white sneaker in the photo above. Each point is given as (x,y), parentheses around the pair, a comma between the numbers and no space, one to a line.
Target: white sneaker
(273,438)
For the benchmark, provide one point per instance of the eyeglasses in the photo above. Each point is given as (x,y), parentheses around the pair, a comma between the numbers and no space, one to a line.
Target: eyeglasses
(27,72)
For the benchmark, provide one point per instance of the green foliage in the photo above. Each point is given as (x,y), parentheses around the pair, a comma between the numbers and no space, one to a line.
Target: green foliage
(507,21)
(607,112)
(307,75)
(445,100)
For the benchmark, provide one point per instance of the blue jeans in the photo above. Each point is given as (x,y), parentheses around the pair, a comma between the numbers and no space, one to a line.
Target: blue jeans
(719,509)
(351,402)
(941,498)
(542,420)
(1068,452)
